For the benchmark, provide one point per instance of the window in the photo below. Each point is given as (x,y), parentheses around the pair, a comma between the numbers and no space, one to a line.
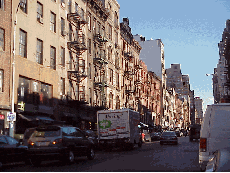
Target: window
(82,93)
(23,43)
(63,27)
(3,140)
(89,70)
(110,32)
(76,7)
(98,27)
(78,133)
(111,76)
(63,56)
(62,86)
(89,21)
(2,39)
(1,80)
(11,140)
(39,53)
(116,19)
(89,45)
(111,101)
(23,5)
(70,60)
(53,22)
(117,79)
(109,53)
(94,25)
(2,4)
(53,57)
(116,39)
(40,12)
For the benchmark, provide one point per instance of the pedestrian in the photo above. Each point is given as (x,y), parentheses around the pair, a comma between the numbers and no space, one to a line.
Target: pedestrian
(143,136)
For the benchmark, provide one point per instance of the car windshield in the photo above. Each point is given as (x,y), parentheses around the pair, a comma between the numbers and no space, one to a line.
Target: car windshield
(168,134)
(46,133)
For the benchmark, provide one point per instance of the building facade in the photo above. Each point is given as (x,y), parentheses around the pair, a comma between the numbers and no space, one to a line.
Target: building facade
(152,53)
(5,63)
(199,108)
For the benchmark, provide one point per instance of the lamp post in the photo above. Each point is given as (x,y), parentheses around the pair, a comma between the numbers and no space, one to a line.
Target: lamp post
(11,122)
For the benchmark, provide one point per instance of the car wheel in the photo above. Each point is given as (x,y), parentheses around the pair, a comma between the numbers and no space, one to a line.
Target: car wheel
(70,157)
(35,162)
(91,154)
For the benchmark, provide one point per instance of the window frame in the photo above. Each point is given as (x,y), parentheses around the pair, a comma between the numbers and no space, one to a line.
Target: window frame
(3,41)
(1,80)
(22,44)
(24,9)
(53,23)
(62,81)
(62,56)
(2,4)
(53,58)
(62,26)
(39,13)
(39,52)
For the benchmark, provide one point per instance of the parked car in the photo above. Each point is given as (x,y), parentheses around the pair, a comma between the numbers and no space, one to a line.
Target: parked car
(155,136)
(147,137)
(27,135)
(93,136)
(214,133)
(220,162)
(169,137)
(59,142)
(177,133)
(11,151)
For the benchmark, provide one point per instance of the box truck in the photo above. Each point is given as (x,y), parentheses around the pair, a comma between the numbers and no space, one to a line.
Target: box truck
(118,128)
(215,132)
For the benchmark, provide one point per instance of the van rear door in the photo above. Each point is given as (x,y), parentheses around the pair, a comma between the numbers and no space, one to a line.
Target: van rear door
(219,127)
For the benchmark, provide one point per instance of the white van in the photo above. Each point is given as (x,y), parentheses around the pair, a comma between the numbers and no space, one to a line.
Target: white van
(215,131)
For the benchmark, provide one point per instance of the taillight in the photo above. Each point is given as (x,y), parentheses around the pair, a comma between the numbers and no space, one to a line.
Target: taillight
(57,141)
(203,144)
(31,143)
(161,138)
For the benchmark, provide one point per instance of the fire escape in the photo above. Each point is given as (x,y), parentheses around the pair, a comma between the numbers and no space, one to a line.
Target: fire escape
(129,76)
(77,46)
(100,62)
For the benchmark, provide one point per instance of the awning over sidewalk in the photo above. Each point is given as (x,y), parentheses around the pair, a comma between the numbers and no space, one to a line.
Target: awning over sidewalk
(36,118)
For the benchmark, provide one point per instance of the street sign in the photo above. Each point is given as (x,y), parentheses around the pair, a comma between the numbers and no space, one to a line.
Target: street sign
(11,116)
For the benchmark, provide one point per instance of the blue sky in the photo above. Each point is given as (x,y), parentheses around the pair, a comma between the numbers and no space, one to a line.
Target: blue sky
(189,30)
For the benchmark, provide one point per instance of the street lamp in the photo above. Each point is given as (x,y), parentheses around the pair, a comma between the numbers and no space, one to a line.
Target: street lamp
(11,123)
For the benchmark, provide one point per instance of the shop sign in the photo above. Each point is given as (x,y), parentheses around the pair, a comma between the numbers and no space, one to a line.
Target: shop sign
(2,117)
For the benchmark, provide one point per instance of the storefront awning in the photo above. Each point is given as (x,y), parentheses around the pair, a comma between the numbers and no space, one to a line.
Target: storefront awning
(36,118)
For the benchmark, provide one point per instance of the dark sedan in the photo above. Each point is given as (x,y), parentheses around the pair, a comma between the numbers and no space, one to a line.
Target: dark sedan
(155,136)
(93,136)
(11,151)
(168,137)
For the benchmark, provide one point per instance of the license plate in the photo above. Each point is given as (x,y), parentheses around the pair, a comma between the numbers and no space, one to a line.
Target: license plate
(43,143)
